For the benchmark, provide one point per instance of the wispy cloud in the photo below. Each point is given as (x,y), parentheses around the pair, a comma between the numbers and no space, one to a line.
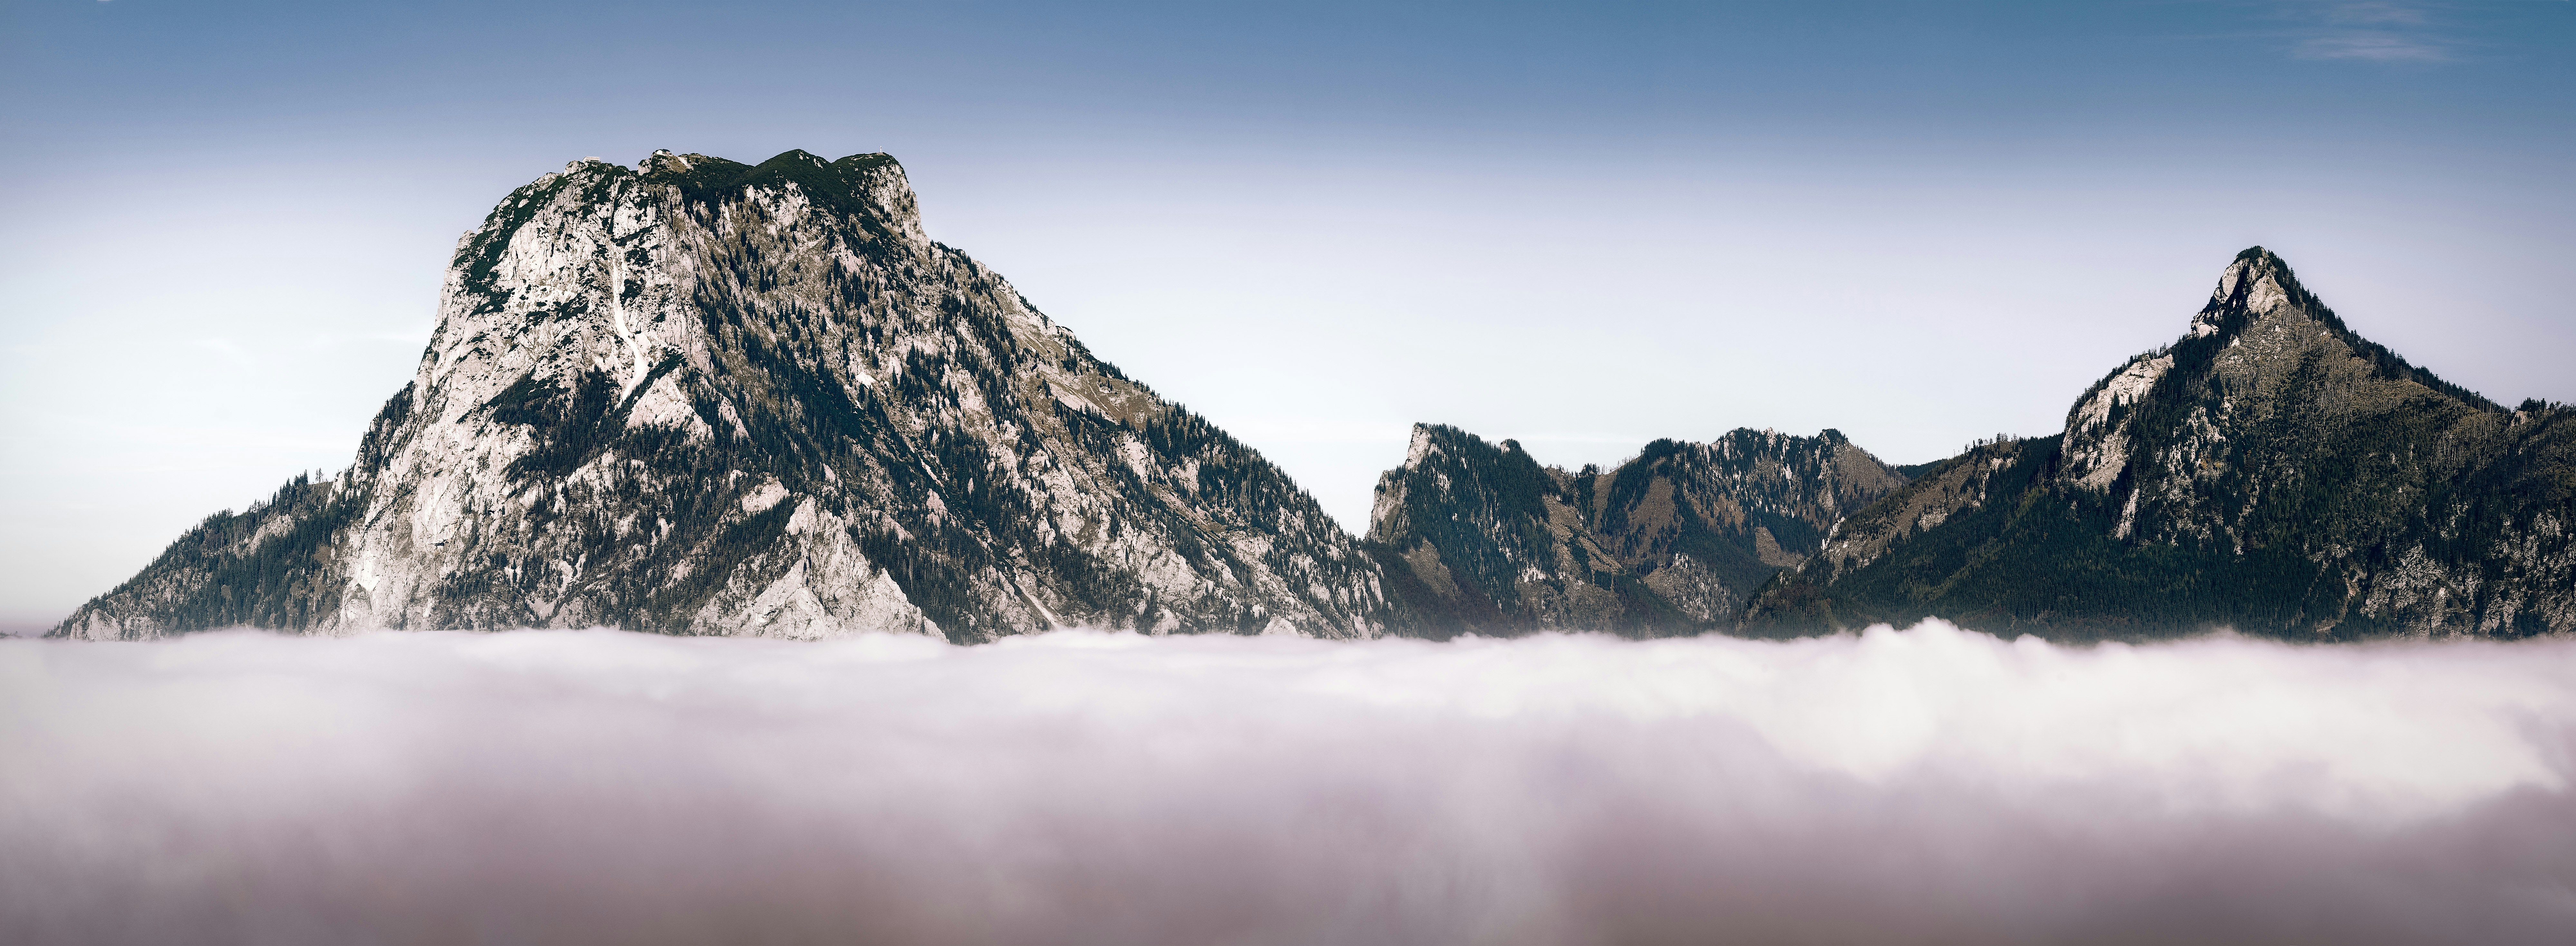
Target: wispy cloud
(2375,47)
(2377,14)
(2379,31)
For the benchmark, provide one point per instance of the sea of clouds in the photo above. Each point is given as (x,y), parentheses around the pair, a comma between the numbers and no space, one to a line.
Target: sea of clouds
(1926,786)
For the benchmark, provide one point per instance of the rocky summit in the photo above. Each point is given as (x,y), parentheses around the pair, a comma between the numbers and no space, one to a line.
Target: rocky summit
(1478,537)
(2271,471)
(697,396)
(702,397)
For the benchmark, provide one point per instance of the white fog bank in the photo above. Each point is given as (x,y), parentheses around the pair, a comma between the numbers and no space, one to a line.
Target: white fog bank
(1929,786)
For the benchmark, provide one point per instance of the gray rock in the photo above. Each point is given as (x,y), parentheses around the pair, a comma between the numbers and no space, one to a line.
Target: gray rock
(707,398)
(1479,537)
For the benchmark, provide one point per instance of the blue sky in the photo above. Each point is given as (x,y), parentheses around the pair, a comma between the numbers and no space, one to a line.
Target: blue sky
(1582,225)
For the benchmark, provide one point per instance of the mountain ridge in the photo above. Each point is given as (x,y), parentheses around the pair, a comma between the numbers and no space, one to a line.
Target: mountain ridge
(2270,471)
(1478,537)
(706,397)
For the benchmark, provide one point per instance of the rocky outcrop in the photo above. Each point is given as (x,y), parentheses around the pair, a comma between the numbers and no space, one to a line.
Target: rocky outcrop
(2270,471)
(702,397)
(1479,537)
(1960,484)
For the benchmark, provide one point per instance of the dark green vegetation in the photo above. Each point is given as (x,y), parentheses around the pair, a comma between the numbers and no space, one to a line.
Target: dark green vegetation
(1479,537)
(260,567)
(2271,472)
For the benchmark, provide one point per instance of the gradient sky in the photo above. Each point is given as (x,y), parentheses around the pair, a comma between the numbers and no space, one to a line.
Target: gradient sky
(1581,225)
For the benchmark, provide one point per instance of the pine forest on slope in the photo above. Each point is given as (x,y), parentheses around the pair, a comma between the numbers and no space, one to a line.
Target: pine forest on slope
(2271,471)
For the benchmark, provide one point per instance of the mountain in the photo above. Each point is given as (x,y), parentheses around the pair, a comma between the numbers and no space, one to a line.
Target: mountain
(2271,471)
(1479,537)
(704,397)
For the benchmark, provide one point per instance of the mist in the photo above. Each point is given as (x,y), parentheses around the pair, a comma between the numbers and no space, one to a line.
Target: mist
(1929,785)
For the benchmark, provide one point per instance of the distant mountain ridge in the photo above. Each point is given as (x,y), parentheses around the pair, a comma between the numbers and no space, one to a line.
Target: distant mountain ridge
(2271,471)
(703,397)
(1478,537)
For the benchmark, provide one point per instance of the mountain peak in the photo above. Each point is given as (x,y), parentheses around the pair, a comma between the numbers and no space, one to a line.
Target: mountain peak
(2258,282)
(707,397)
(870,187)
(2258,285)
(1424,441)
(2272,471)
(662,161)
(1477,535)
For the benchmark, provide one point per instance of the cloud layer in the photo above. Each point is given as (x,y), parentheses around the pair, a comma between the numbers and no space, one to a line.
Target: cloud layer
(1926,786)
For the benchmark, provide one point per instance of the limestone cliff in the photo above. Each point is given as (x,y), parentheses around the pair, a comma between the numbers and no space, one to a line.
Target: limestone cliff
(697,396)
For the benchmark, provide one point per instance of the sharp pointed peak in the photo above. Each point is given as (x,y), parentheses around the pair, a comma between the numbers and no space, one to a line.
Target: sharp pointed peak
(2257,282)
(2254,266)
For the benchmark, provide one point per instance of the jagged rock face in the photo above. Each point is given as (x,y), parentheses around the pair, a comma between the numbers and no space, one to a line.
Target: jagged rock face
(2270,471)
(1477,536)
(1739,508)
(1962,483)
(704,397)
